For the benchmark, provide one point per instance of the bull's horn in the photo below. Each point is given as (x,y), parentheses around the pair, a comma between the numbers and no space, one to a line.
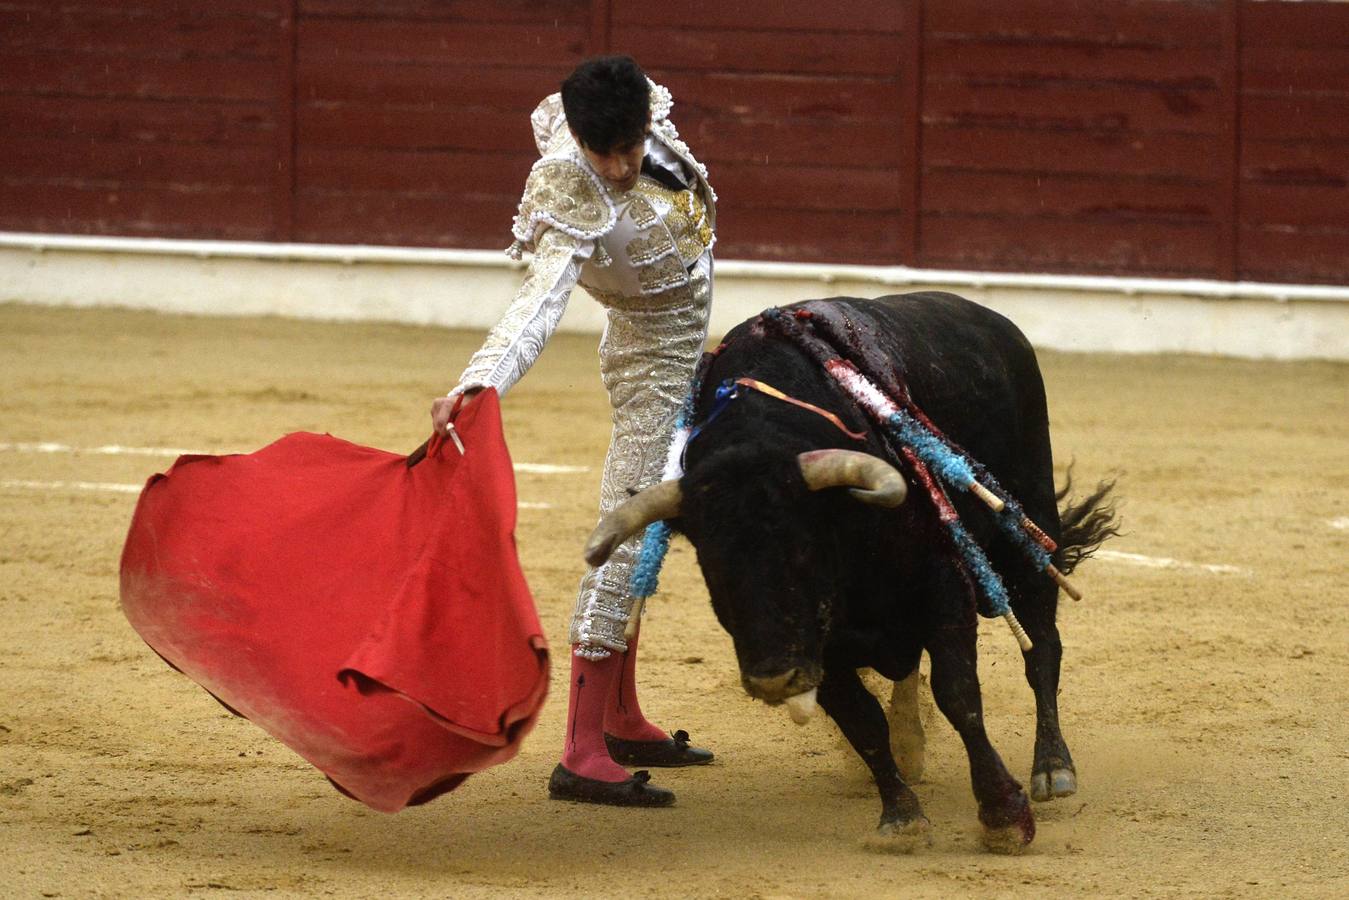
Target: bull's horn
(872,480)
(660,501)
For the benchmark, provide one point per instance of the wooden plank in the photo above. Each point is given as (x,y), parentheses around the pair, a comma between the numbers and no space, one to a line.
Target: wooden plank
(429,127)
(454,174)
(1269,69)
(981,62)
(1296,117)
(447,172)
(519,88)
(1278,254)
(762,15)
(1295,24)
(1068,152)
(1303,206)
(92,208)
(1103,198)
(805,53)
(855,144)
(1227,163)
(1068,245)
(598,38)
(908,104)
(492,45)
(846,143)
(134,163)
(143,9)
(89,75)
(283,164)
(805,187)
(427,221)
(111,30)
(1074,108)
(754,94)
(519,11)
(240,124)
(1323,163)
(1156,23)
(808,236)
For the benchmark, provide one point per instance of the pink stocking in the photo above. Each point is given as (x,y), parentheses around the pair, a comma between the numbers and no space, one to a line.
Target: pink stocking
(584,752)
(623,716)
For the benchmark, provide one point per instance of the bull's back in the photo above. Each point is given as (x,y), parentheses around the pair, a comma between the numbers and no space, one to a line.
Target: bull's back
(974,374)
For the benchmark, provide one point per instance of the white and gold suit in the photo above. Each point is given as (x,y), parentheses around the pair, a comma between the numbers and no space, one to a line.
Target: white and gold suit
(646,256)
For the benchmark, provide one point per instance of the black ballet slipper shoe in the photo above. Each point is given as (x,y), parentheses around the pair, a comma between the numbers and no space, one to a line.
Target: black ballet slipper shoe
(670,753)
(636,791)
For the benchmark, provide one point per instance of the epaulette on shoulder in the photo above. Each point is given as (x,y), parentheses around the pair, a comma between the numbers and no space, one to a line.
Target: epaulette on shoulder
(563,194)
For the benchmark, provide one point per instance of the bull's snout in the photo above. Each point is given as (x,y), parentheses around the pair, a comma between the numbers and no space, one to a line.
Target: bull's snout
(786,682)
(796,687)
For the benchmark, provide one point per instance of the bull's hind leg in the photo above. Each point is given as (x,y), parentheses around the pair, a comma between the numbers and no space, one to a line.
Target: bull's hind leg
(1004,809)
(1052,772)
(903,827)
(908,743)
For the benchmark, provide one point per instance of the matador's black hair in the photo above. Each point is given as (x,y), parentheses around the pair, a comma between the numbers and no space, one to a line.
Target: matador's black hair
(607,102)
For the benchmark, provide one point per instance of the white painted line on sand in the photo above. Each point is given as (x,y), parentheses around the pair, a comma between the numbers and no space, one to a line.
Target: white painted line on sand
(73,486)
(1165,562)
(106,450)
(114,487)
(119,450)
(548,469)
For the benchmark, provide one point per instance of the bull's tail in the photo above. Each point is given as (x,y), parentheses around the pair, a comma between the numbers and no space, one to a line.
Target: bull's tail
(1086,523)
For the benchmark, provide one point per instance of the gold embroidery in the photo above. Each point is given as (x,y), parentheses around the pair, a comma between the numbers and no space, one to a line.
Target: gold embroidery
(648,249)
(642,212)
(662,275)
(693,234)
(564,195)
(686,220)
(647,357)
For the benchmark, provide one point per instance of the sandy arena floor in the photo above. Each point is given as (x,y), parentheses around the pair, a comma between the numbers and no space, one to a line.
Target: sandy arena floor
(1205,691)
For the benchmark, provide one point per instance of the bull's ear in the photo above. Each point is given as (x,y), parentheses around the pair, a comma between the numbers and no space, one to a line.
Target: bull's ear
(871,479)
(657,502)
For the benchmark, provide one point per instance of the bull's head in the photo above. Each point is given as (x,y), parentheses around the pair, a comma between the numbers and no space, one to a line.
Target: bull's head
(768,547)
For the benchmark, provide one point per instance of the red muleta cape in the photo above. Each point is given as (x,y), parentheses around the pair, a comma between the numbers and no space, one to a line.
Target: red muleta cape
(372,617)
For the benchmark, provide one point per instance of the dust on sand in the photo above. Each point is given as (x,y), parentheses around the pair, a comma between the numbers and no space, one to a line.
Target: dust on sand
(1206,708)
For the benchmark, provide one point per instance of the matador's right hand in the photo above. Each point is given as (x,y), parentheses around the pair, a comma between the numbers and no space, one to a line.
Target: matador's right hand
(443,407)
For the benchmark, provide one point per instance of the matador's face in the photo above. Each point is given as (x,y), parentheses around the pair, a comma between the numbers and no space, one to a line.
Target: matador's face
(621,165)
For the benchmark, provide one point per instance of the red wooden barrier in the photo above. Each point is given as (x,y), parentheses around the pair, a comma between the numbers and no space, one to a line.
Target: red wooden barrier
(1200,138)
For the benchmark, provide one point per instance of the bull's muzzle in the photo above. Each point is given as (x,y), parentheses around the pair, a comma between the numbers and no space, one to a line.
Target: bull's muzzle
(786,682)
(796,687)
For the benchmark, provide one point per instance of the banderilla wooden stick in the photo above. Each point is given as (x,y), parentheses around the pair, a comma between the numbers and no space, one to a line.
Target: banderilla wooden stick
(1063,582)
(993,500)
(1022,638)
(634,619)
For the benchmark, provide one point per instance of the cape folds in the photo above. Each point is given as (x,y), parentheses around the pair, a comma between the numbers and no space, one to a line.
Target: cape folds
(371,616)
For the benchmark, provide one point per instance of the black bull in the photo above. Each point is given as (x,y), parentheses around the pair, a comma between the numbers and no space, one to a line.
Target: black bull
(812,584)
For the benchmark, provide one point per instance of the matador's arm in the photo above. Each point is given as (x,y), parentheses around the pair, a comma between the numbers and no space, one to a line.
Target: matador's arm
(516,341)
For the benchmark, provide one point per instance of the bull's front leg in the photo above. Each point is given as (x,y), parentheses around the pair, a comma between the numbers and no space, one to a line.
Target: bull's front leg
(1004,809)
(903,827)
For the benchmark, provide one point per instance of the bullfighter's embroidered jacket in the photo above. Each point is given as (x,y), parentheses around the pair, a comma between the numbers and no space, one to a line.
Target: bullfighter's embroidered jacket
(646,256)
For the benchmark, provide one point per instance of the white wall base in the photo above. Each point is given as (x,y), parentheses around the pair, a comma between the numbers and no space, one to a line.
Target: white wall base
(470,289)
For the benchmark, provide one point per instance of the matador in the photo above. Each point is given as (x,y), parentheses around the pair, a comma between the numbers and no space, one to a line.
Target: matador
(617,204)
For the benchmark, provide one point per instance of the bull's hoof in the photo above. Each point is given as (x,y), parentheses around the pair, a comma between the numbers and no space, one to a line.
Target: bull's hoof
(1009,841)
(1048,785)
(1011,830)
(901,837)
